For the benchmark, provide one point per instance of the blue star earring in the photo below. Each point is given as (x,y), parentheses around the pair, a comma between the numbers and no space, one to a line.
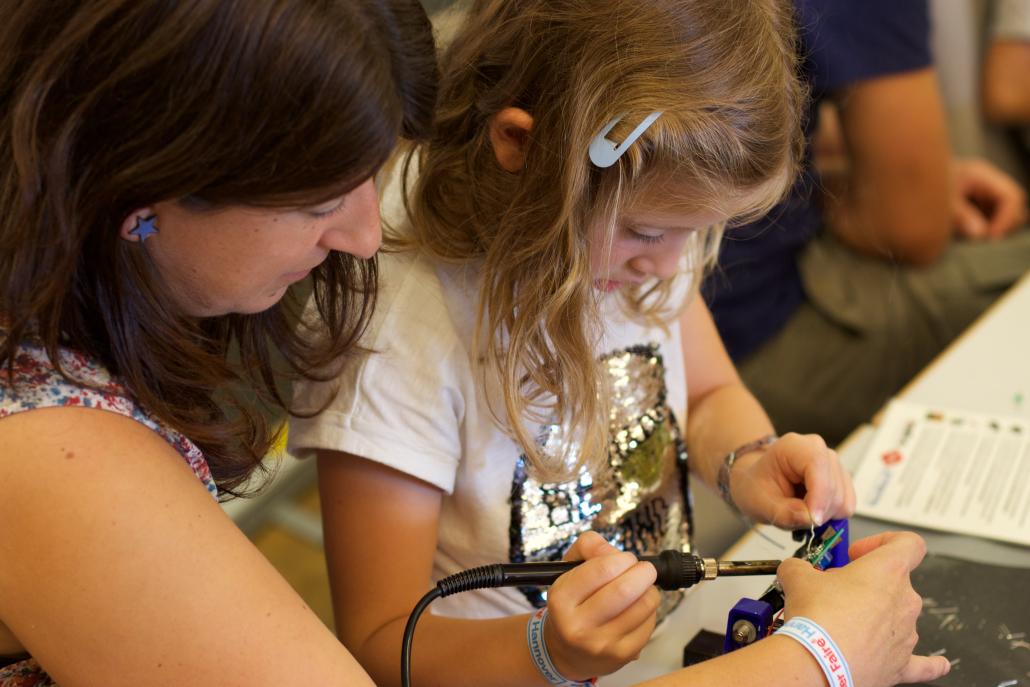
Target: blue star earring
(145,227)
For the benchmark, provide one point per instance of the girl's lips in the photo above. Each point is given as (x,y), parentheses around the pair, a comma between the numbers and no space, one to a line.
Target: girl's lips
(607,285)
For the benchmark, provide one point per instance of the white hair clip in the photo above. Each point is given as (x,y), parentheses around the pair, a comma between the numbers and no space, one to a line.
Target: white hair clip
(605,152)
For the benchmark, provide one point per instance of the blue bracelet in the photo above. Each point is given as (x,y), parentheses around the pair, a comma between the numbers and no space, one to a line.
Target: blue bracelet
(825,650)
(538,651)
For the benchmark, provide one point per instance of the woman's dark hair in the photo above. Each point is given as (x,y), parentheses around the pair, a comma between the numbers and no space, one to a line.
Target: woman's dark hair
(111,105)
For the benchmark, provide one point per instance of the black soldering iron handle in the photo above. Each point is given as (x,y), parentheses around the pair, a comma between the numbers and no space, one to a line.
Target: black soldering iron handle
(676,570)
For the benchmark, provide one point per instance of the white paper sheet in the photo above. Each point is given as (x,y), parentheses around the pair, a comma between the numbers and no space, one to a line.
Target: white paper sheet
(949,470)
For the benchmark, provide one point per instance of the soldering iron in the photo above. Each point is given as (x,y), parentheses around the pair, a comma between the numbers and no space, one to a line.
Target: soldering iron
(676,570)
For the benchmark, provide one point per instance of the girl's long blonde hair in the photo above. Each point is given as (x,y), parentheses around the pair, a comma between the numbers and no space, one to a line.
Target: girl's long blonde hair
(724,75)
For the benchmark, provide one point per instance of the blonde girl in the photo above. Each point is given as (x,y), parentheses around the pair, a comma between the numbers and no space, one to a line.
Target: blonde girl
(534,337)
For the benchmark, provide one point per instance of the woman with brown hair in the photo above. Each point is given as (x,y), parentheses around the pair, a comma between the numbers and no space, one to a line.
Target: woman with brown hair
(167,171)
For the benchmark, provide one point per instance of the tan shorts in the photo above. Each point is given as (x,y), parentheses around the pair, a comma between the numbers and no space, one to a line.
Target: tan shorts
(869,326)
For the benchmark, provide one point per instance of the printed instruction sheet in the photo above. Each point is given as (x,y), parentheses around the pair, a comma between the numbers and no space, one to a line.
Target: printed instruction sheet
(948,470)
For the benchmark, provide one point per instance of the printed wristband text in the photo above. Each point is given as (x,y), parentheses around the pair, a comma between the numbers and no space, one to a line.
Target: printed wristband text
(825,650)
(538,651)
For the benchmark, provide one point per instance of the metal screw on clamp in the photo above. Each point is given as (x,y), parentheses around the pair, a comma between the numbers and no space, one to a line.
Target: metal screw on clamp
(744,632)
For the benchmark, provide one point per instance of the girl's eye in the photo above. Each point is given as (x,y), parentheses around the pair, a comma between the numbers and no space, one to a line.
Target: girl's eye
(646,238)
(330,211)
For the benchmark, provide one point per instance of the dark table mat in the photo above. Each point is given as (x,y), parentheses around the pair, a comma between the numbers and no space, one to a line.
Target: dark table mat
(976,612)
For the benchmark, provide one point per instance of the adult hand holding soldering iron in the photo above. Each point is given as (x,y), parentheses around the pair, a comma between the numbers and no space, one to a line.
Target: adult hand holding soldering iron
(868,607)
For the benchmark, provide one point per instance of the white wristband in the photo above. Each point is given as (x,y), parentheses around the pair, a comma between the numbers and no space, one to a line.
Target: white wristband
(542,660)
(819,644)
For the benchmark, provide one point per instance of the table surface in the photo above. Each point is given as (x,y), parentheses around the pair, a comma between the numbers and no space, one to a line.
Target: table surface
(987,369)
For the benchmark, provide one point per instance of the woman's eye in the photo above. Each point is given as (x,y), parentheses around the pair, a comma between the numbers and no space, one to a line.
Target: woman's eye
(331,211)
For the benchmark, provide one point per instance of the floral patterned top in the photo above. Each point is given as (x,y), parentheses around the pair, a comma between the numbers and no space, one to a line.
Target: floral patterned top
(38,385)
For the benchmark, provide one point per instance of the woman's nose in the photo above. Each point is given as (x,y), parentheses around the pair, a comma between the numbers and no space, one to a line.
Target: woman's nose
(358,230)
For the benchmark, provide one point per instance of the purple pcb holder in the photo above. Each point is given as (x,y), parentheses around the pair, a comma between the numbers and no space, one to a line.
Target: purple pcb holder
(752,619)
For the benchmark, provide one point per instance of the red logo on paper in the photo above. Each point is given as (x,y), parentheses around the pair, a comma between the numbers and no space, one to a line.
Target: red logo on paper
(892,457)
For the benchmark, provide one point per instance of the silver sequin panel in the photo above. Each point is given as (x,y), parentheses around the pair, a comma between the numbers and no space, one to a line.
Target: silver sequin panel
(641,505)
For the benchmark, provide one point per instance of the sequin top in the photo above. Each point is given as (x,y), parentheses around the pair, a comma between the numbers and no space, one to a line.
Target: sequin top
(38,385)
(421,405)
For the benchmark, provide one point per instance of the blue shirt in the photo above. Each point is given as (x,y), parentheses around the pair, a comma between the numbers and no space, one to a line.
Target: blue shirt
(757,287)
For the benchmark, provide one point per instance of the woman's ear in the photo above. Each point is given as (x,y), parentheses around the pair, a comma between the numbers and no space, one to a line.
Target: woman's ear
(509,135)
(139,225)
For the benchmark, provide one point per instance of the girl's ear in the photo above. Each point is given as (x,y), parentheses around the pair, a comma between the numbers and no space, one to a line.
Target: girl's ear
(509,135)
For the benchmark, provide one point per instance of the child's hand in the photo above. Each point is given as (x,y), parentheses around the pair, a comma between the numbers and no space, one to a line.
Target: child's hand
(868,607)
(765,486)
(602,613)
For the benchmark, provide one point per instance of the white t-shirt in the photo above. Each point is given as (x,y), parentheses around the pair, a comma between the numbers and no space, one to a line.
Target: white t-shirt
(416,404)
